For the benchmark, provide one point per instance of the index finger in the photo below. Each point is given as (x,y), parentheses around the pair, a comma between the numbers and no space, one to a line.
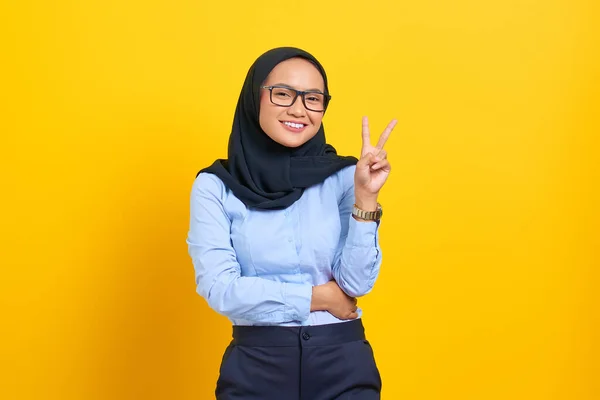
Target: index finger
(386,134)
(366,135)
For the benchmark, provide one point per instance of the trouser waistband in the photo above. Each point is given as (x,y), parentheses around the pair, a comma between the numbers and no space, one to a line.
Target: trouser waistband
(315,335)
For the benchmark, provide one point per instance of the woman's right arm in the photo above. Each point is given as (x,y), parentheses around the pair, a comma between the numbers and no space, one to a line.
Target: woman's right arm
(218,273)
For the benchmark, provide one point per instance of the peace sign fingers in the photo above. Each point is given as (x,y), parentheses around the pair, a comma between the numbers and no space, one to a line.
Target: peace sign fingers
(366,136)
(373,167)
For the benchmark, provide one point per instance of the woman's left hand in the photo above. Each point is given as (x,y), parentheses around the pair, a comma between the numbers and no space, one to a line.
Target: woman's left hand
(373,168)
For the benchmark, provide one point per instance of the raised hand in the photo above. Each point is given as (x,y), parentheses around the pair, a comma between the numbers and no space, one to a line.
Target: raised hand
(373,168)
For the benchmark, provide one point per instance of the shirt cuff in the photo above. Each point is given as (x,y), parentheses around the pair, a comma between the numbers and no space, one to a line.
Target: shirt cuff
(297,299)
(362,234)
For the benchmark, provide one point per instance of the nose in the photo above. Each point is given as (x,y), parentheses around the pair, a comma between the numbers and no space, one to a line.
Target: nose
(297,108)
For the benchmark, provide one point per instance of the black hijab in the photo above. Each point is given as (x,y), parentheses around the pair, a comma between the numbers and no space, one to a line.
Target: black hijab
(259,171)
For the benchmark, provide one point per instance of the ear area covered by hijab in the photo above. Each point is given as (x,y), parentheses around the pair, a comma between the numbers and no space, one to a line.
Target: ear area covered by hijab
(260,172)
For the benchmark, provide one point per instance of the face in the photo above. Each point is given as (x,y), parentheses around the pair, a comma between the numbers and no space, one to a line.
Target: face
(295,125)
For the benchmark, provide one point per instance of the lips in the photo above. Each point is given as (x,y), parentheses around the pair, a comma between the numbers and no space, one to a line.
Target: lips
(293,126)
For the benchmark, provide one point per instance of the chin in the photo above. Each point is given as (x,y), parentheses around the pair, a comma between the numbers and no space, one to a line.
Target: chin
(292,140)
(292,143)
(295,141)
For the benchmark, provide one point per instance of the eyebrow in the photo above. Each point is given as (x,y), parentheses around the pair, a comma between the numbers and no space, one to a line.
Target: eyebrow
(288,86)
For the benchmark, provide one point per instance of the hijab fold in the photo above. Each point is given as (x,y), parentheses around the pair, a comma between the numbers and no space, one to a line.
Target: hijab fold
(260,172)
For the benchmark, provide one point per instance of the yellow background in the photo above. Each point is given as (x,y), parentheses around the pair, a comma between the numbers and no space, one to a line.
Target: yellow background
(489,287)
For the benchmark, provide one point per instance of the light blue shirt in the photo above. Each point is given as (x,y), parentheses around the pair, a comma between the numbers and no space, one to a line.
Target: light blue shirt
(258,267)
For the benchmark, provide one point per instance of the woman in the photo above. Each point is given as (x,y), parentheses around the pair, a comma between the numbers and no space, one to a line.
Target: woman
(284,238)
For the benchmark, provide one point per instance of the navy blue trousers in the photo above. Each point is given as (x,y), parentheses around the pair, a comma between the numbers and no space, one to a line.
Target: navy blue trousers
(323,362)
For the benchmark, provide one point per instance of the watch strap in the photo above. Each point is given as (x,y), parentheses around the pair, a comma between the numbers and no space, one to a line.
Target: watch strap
(367,215)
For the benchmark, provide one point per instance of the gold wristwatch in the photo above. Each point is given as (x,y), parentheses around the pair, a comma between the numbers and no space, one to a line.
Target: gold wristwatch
(368,215)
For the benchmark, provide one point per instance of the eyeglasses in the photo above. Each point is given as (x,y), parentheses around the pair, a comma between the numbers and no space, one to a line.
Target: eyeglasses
(285,96)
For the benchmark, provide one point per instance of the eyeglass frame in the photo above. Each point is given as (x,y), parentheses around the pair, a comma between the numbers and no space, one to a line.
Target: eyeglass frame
(300,93)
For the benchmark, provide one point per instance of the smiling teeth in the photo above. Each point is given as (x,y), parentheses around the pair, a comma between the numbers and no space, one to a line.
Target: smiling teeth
(293,125)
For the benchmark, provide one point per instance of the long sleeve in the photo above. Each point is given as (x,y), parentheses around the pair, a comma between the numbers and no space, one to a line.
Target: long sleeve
(218,273)
(358,261)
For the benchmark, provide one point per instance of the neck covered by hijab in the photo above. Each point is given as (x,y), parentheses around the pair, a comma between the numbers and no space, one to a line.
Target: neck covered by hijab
(260,172)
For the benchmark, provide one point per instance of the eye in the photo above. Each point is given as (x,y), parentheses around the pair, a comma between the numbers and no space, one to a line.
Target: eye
(283,93)
(315,98)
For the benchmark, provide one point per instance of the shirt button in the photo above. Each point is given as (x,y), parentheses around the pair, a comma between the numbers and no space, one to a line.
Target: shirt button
(305,336)
(290,239)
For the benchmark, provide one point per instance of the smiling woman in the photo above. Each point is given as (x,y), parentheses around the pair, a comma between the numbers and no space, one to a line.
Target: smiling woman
(279,109)
(284,238)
